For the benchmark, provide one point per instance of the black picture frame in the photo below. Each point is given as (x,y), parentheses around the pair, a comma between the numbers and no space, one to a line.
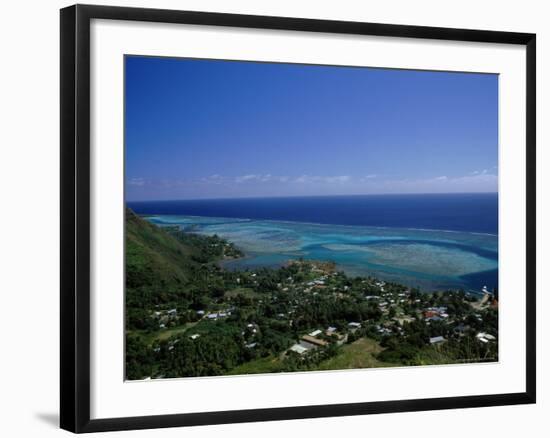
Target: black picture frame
(75,217)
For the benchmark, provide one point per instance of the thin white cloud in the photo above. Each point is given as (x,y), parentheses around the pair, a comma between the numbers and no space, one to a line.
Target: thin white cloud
(337,179)
(213,179)
(480,182)
(483,172)
(283,185)
(311,179)
(244,178)
(254,178)
(136,182)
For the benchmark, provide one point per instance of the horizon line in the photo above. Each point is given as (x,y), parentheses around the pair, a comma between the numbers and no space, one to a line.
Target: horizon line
(309,196)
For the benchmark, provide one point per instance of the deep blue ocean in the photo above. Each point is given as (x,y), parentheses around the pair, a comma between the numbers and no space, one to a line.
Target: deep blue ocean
(456,212)
(433,241)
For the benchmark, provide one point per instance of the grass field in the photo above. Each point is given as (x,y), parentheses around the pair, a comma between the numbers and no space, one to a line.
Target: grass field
(172,331)
(161,335)
(244,291)
(359,354)
(268,364)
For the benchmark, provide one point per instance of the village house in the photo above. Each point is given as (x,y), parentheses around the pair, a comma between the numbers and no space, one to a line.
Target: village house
(315,341)
(436,340)
(303,347)
(430,314)
(485,337)
(341,339)
(297,348)
(402,319)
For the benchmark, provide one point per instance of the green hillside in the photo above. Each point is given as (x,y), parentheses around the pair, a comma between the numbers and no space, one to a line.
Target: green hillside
(166,267)
(155,258)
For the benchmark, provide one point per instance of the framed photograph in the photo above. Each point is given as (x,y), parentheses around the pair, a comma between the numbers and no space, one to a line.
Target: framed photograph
(267,218)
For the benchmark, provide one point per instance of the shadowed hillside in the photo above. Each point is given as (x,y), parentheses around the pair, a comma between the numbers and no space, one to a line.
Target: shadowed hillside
(166,267)
(154,257)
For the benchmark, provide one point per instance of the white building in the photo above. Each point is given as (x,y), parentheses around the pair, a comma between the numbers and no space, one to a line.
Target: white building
(297,348)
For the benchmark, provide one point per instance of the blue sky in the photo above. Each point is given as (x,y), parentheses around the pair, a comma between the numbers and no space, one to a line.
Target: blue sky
(221,129)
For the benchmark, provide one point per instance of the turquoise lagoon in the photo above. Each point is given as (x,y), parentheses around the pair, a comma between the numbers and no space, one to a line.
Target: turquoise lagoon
(428,259)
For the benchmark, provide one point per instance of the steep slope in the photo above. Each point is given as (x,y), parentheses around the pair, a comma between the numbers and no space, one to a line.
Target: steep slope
(158,265)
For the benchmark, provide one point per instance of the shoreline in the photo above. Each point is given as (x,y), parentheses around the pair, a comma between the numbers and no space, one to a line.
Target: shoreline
(337,267)
(428,282)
